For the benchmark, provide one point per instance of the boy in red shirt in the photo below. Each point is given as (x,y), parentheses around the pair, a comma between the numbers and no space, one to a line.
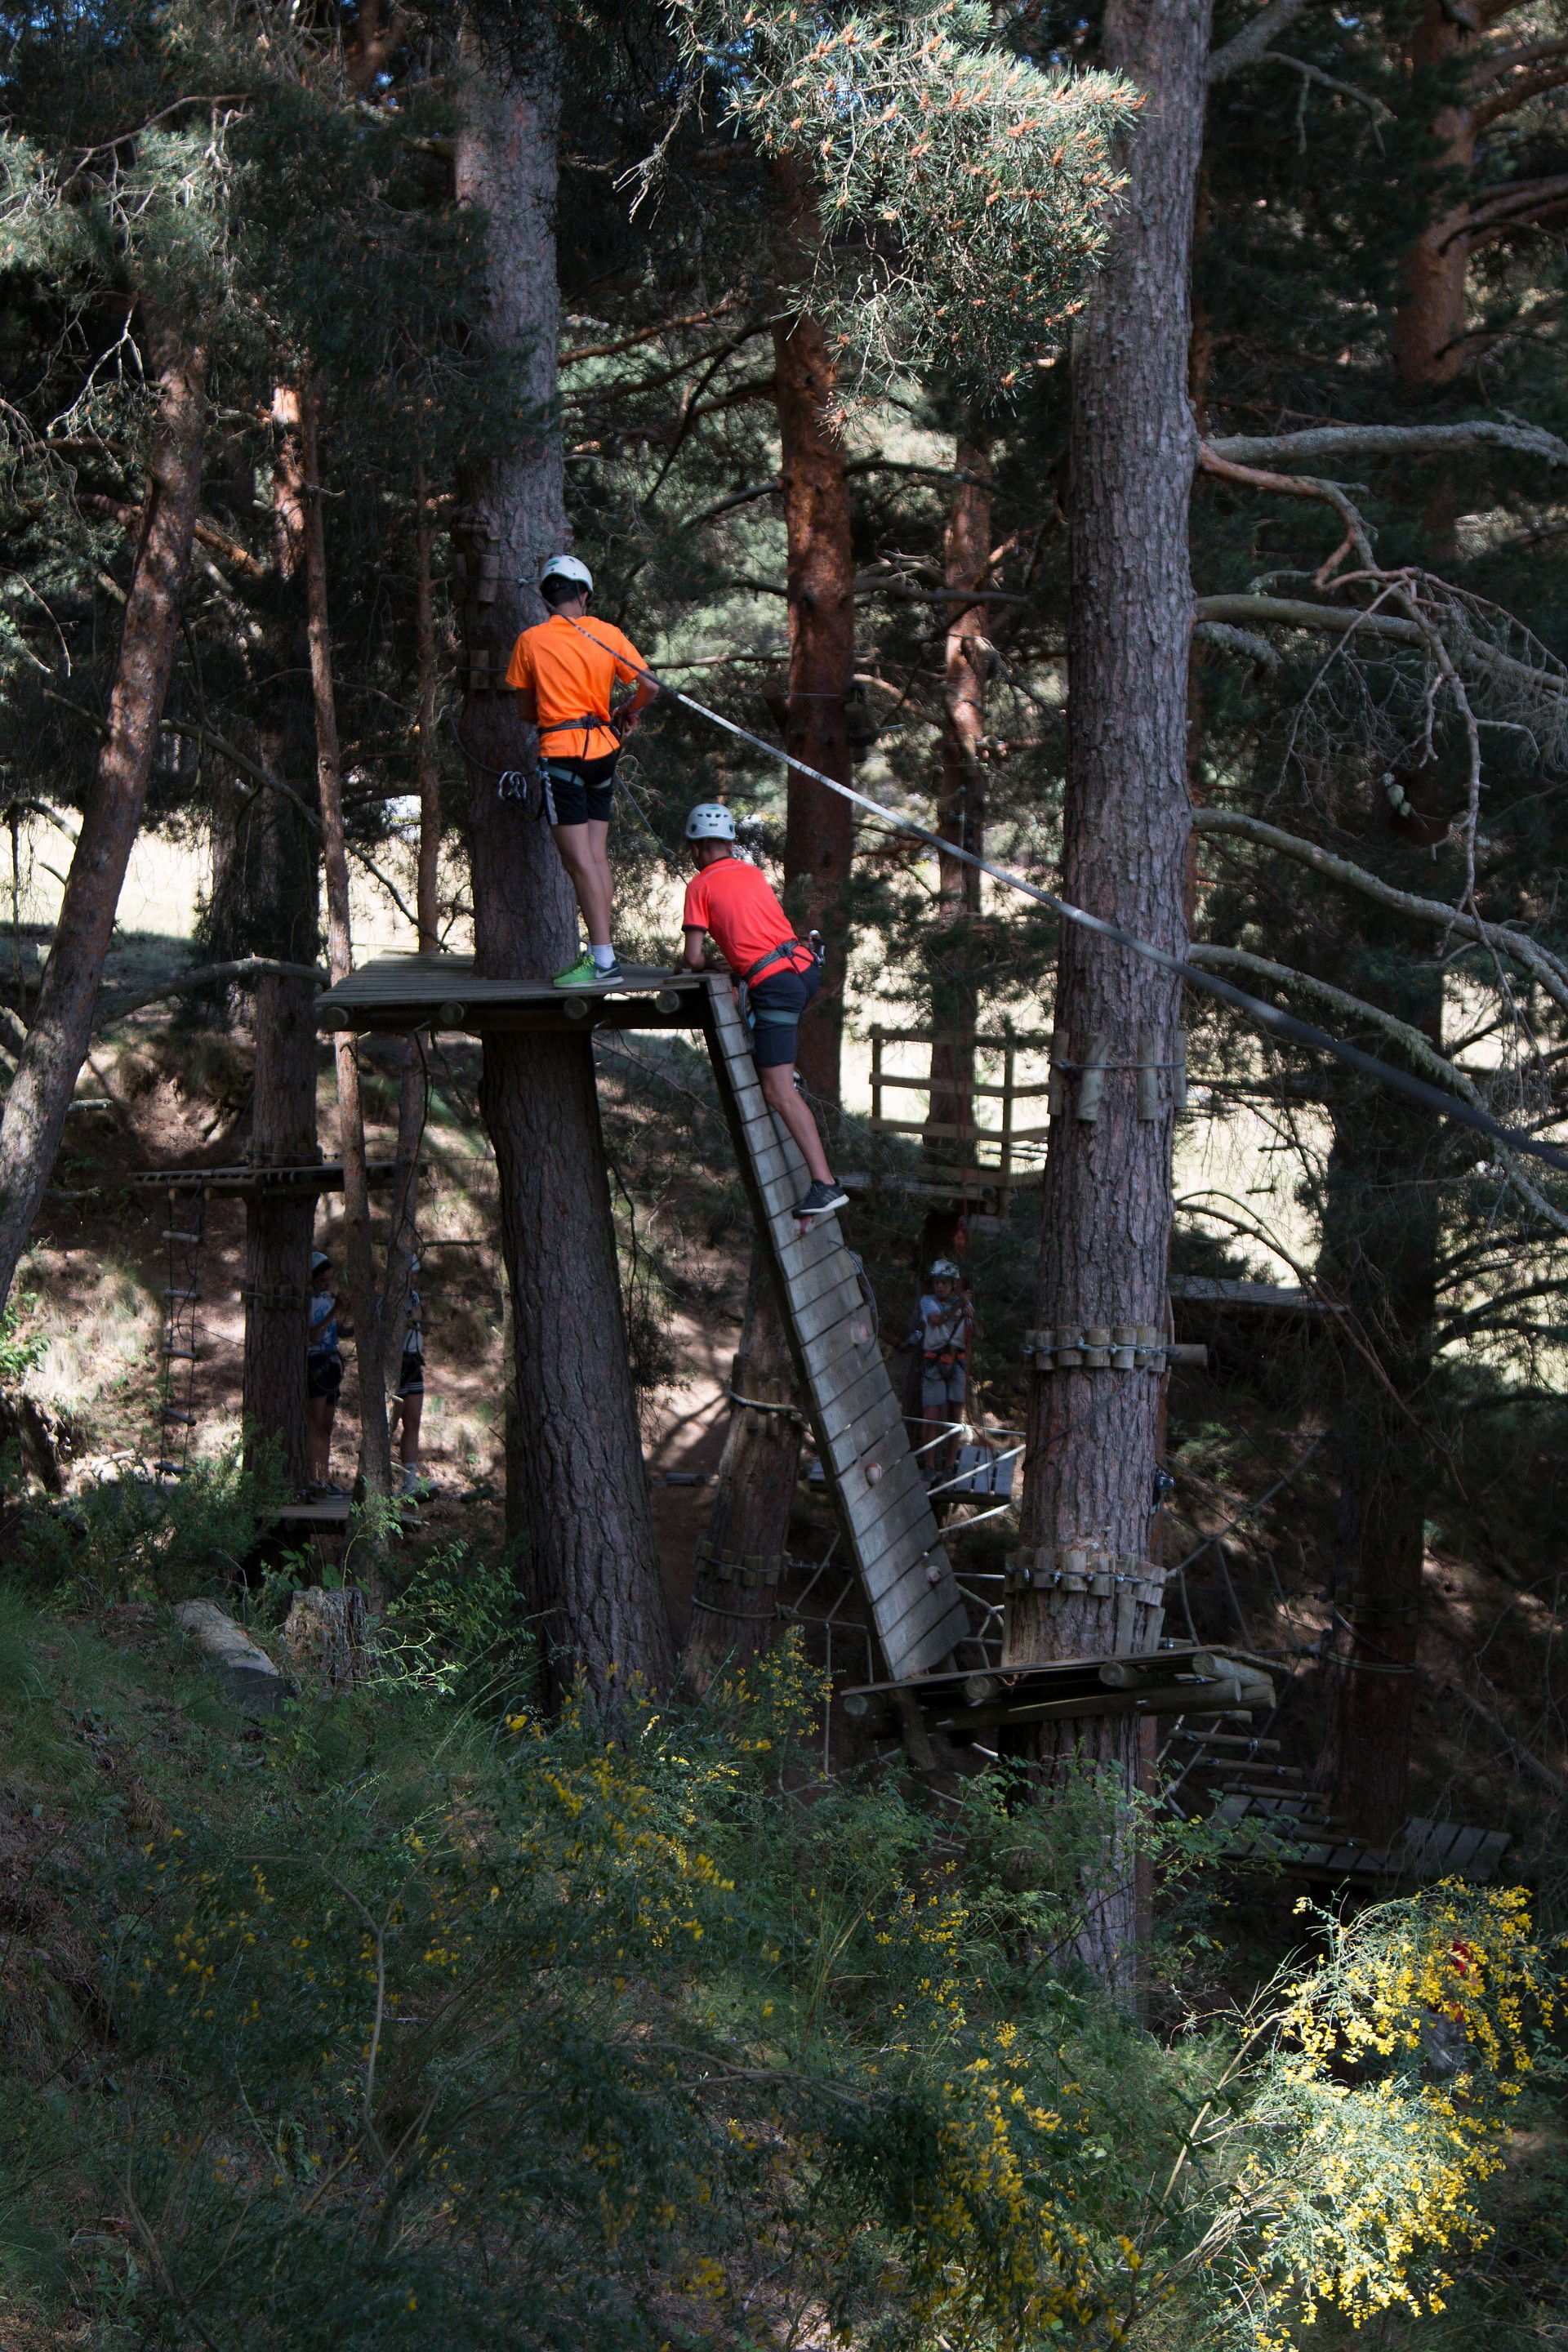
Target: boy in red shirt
(563,671)
(728,899)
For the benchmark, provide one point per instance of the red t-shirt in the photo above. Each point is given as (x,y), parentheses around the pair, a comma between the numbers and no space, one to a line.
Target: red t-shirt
(731,901)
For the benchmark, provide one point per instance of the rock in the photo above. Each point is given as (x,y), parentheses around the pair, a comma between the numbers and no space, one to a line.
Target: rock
(325,1635)
(246,1675)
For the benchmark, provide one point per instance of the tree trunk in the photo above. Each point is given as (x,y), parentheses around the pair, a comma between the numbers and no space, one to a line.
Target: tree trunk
(427,904)
(960,815)
(819,829)
(1379,1255)
(1106,1214)
(591,1562)
(279,1228)
(46,1074)
(265,903)
(1431,314)
(375,1445)
(742,1556)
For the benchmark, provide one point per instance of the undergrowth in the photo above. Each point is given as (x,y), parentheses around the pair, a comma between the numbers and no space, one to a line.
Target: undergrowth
(415,2020)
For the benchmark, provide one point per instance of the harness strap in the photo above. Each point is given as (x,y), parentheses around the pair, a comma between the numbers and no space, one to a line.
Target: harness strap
(592,722)
(781,957)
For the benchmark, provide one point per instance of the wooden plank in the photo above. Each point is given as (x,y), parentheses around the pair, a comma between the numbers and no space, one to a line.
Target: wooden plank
(869,1386)
(836,1358)
(923,1632)
(827,1276)
(1489,1855)
(910,1516)
(916,1608)
(851,1442)
(1461,1852)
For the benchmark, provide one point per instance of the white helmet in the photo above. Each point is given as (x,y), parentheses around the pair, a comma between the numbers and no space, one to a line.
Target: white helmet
(942,1269)
(710,821)
(319,1258)
(564,567)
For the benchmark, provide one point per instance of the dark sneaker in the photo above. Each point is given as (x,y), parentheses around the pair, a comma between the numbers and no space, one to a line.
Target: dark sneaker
(820,1199)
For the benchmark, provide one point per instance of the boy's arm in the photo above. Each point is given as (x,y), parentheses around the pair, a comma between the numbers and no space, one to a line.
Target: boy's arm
(695,935)
(527,704)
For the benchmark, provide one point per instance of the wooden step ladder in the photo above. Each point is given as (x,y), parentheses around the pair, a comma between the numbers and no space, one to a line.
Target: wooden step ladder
(891,1531)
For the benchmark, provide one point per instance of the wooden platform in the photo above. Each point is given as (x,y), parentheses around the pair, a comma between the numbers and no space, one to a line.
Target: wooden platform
(1426,1851)
(396,994)
(327,1511)
(1146,1682)
(309,1176)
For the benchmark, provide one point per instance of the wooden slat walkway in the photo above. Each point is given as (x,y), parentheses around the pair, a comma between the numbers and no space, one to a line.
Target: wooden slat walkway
(1426,1849)
(892,1534)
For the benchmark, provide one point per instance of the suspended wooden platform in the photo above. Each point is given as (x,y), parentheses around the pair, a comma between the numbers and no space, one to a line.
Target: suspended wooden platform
(1426,1849)
(912,1598)
(396,994)
(1146,1682)
(308,1176)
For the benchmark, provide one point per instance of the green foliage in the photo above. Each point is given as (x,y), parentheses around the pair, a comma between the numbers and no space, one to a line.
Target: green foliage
(967,195)
(134,1537)
(408,2027)
(19,1349)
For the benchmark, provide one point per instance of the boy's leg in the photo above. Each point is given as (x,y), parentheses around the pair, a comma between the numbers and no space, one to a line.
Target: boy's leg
(584,854)
(413,1412)
(779,1088)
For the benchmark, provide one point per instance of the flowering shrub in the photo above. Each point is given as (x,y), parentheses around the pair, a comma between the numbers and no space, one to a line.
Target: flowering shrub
(428,2028)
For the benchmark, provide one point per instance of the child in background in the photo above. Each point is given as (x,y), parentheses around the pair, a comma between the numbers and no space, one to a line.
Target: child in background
(943,1332)
(323,1374)
(408,1403)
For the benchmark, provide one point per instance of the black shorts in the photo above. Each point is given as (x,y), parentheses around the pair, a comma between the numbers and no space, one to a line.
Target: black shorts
(774,1007)
(323,1375)
(579,791)
(411,1377)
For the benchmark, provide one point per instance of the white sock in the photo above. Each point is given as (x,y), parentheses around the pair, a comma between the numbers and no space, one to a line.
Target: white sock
(602,957)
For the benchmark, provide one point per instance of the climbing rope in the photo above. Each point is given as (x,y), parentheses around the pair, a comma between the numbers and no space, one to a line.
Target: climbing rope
(1267,1017)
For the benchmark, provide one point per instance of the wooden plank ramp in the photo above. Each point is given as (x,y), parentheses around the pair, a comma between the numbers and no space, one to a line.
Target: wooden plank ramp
(912,1593)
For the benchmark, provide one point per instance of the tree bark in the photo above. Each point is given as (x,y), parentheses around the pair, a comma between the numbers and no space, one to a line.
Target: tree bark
(428,906)
(961,813)
(819,829)
(1379,1255)
(46,1074)
(374,1446)
(1106,1214)
(1431,314)
(743,1553)
(590,1561)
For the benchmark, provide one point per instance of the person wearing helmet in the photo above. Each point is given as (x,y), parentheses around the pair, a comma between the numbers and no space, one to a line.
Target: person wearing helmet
(563,671)
(944,1322)
(408,1400)
(323,1374)
(776,976)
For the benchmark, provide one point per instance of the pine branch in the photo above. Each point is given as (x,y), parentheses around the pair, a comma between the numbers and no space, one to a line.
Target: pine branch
(113,1006)
(1420,1049)
(1250,46)
(1296,613)
(1334,441)
(1524,205)
(1528,953)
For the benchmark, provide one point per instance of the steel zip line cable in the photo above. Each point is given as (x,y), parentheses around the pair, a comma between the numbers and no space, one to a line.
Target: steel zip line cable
(1263,1016)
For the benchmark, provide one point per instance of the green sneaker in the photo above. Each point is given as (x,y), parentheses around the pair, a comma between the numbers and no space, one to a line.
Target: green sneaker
(583,973)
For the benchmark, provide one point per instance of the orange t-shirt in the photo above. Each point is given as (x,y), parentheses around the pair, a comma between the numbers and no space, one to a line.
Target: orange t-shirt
(572,666)
(731,901)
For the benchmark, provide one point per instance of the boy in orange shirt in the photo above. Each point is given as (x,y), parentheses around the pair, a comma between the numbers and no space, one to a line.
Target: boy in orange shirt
(730,900)
(563,671)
